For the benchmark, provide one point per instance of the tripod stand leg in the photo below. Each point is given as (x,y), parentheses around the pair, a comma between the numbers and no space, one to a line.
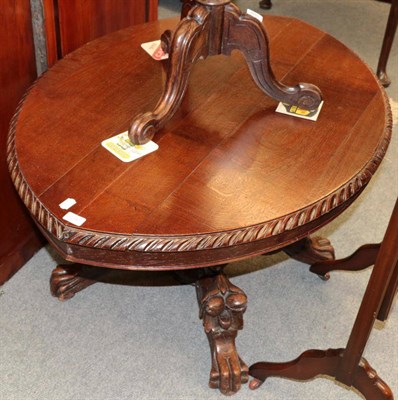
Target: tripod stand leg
(188,43)
(246,34)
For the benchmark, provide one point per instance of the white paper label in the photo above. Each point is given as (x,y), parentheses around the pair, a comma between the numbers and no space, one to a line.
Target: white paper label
(68,203)
(254,14)
(297,112)
(121,147)
(74,218)
(154,49)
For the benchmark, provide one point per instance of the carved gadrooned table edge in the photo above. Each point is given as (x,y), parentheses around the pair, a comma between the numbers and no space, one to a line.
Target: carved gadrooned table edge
(186,242)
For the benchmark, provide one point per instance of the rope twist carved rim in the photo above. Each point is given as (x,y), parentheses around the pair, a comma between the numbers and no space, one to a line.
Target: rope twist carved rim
(181,243)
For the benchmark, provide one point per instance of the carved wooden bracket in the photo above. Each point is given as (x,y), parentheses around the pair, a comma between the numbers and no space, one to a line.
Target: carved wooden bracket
(212,27)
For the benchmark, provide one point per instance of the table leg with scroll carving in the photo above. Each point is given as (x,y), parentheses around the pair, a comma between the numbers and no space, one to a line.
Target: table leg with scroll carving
(213,27)
(68,279)
(311,250)
(221,308)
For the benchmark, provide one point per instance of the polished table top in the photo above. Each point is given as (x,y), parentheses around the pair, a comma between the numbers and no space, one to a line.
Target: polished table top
(231,177)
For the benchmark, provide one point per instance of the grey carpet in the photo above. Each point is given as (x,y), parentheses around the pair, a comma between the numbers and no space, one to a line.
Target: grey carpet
(143,339)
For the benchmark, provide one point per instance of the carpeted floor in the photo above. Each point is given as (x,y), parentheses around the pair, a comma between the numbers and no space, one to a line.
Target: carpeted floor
(143,340)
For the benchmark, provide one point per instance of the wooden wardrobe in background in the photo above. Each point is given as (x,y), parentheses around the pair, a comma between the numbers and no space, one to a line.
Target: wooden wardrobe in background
(68,24)
(71,23)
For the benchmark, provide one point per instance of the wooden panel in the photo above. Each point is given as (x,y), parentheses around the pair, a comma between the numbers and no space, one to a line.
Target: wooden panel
(72,23)
(52,31)
(18,239)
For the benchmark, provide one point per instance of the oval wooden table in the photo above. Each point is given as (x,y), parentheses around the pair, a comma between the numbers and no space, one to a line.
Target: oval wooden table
(231,179)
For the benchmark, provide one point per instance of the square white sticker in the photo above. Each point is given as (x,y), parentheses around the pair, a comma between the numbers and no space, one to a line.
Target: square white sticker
(121,147)
(68,203)
(254,14)
(74,218)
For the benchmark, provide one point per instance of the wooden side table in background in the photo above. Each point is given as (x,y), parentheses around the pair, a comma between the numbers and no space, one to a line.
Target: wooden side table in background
(347,365)
(388,40)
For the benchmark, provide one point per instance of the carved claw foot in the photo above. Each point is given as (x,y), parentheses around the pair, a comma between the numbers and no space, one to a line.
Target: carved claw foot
(312,250)
(312,363)
(222,305)
(67,280)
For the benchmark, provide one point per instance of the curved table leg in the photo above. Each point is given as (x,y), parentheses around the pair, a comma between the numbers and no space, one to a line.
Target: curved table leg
(364,257)
(387,44)
(391,292)
(66,280)
(221,307)
(248,35)
(319,362)
(185,46)
(312,250)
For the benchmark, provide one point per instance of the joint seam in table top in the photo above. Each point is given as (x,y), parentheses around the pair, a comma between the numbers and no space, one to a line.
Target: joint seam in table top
(135,242)
(127,169)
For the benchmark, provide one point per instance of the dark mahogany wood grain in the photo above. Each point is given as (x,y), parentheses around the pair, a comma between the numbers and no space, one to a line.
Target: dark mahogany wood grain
(231,175)
(18,238)
(72,23)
